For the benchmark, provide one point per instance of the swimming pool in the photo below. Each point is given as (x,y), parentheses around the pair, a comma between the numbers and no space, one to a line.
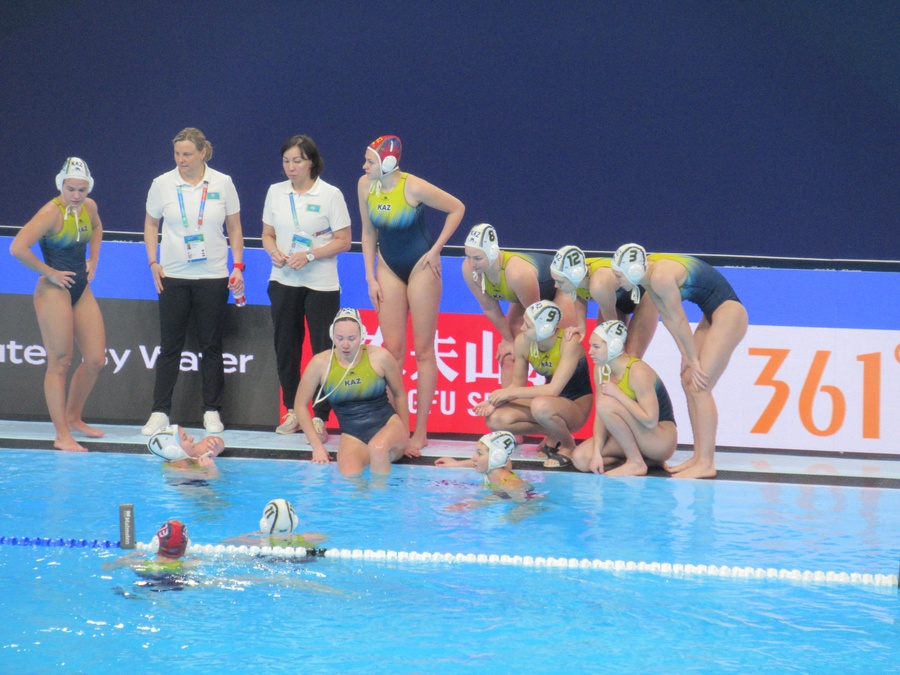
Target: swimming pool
(61,608)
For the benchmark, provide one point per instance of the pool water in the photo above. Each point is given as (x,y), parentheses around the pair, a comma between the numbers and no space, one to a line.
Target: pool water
(60,608)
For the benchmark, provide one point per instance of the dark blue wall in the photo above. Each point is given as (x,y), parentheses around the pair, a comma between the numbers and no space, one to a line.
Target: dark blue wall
(748,128)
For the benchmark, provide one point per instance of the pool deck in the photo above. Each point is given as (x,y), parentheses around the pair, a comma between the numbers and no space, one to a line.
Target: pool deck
(770,466)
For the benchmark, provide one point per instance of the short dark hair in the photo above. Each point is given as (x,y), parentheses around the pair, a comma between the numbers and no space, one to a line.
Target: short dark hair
(308,147)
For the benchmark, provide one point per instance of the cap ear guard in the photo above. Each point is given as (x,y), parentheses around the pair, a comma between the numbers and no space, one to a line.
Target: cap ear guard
(500,445)
(569,263)
(545,316)
(74,167)
(164,444)
(278,517)
(388,149)
(349,313)
(631,260)
(614,334)
(484,237)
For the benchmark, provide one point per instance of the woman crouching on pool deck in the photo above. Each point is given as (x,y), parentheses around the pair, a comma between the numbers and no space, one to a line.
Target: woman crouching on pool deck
(174,445)
(634,419)
(355,378)
(558,408)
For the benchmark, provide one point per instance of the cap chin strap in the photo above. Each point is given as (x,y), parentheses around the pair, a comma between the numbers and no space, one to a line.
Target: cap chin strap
(605,372)
(636,294)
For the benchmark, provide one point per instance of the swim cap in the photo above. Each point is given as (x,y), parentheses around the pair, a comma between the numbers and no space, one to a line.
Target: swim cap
(352,314)
(484,238)
(500,445)
(614,334)
(172,539)
(388,149)
(545,316)
(74,168)
(278,518)
(569,263)
(631,260)
(164,444)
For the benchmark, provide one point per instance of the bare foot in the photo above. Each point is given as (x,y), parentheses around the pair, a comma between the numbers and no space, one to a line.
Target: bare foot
(697,471)
(81,427)
(629,469)
(68,445)
(416,443)
(678,468)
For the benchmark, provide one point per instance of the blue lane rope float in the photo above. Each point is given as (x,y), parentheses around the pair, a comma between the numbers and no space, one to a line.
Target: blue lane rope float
(660,569)
(59,541)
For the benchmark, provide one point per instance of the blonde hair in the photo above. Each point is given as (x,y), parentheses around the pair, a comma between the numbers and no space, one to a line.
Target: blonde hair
(196,137)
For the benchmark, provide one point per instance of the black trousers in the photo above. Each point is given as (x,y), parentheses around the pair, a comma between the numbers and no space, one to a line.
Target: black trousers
(290,306)
(198,304)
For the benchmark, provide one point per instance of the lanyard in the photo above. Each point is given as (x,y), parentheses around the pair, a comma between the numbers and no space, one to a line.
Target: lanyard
(294,213)
(184,219)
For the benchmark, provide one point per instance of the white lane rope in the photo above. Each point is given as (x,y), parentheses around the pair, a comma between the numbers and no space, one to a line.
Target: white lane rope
(677,570)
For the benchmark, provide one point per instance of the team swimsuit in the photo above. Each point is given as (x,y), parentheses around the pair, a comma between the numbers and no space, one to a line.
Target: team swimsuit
(704,286)
(402,236)
(358,398)
(547,362)
(624,303)
(65,250)
(540,261)
(666,412)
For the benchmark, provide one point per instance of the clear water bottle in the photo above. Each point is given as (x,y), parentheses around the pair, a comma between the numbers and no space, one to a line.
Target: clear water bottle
(240,301)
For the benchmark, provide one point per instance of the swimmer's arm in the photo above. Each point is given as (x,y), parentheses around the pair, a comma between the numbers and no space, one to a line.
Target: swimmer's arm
(418,190)
(42,224)
(449,462)
(646,409)
(522,279)
(394,379)
(309,381)
(127,560)
(518,387)
(603,292)
(96,238)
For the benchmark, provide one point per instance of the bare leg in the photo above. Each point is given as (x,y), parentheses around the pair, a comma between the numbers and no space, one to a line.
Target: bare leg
(53,307)
(91,338)
(634,462)
(424,296)
(560,418)
(387,446)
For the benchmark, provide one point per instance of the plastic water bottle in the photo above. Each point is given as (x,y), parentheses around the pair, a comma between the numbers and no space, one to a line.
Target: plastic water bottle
(240,301)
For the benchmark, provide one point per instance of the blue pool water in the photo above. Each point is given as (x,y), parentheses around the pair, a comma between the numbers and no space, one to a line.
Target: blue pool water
(61,609)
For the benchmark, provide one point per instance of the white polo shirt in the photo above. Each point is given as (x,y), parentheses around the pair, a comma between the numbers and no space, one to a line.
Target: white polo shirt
(320,212)
(221,200)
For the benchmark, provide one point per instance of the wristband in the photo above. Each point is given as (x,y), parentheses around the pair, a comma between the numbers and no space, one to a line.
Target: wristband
(239,266)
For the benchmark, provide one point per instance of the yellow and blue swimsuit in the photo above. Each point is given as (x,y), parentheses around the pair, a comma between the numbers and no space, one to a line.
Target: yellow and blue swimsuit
(704,286)
(547,362)
(666,412)
(358,398)
(402,236)
(540,261)
(65,250)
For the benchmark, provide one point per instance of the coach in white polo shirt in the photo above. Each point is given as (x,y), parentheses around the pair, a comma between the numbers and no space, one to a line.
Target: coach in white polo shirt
(305,226)
(191,274)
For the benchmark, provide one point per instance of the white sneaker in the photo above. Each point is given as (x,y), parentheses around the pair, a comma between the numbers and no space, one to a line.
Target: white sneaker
(321,431)
(212,422)
(156,422)
(289,424)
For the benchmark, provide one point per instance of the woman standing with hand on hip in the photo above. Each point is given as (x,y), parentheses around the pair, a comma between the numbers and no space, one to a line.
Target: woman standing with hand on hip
(407,279)
(191,276)
(305,226)
(66,308)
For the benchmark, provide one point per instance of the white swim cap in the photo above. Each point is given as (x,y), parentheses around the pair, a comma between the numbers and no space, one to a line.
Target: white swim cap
(614,334)
(631,260)
(484,237)
(545,315)
(569,263)
(278,518)
(352,314)
(164,444)
(74,168)
(500,445)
